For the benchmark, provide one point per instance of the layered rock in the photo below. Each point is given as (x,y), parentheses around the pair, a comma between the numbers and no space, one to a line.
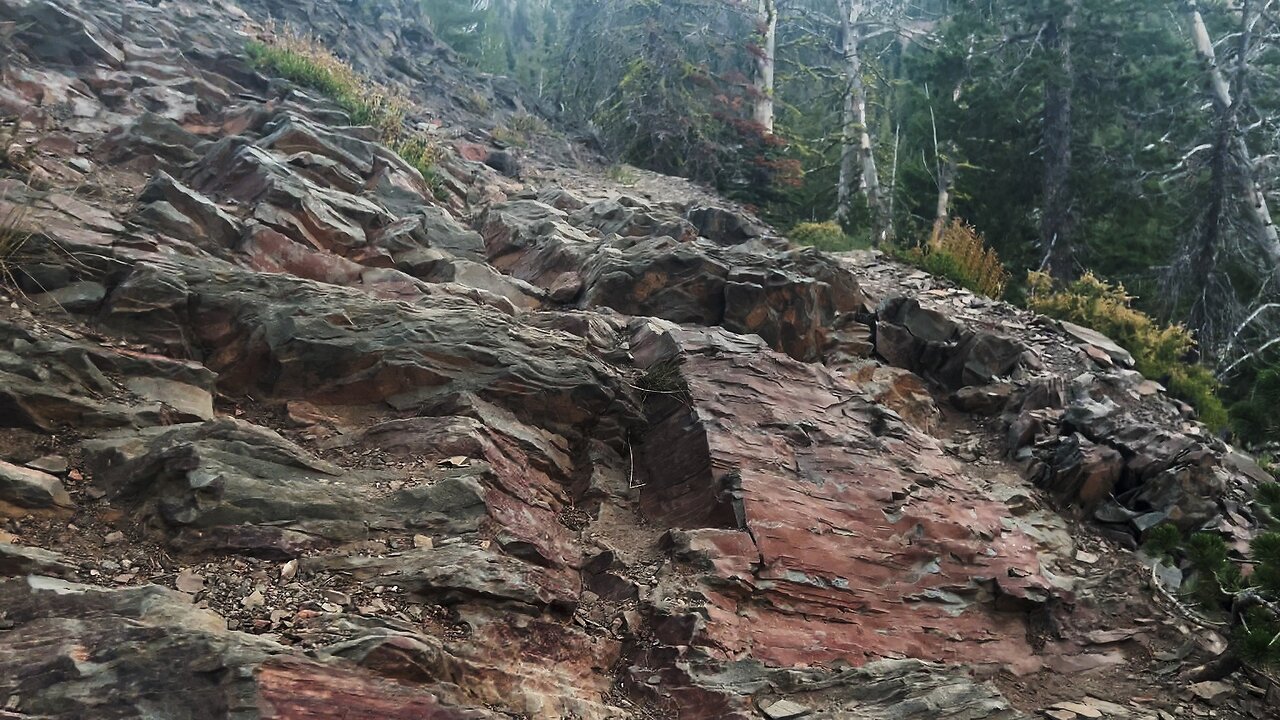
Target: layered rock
(313,442)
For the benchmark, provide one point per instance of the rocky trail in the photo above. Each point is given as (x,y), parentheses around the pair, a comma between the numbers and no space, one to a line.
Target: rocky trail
(285,433)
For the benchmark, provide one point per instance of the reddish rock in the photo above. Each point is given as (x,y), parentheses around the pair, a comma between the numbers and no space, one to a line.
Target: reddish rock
(843,534)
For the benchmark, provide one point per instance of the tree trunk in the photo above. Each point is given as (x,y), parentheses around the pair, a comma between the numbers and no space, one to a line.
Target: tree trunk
(765,68)
(947,163)
(1231,143)
(942,214)
(1056,219)
(858,159)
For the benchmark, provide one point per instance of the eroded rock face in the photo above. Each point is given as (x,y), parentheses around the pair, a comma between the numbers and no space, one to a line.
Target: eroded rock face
(301,439)
(791,299)
(829,528)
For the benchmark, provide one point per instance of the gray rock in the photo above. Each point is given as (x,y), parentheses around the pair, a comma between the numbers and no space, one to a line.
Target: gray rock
(31,489)
(724,227)
(80,297)
(191,403)
(22,560)
(1088,336)
(174,208)
(52,464)
(457,572)
(784,710)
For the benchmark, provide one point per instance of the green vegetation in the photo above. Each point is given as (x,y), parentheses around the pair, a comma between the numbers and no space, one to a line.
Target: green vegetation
(664,378)
(304,61)
(828,236)
(623,175)
(1253,414)
(1218,580)
(519,129)
(1160,351)
(1162,540)
(961,255)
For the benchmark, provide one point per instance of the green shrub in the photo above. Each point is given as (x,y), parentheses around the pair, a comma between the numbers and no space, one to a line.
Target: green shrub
(1162,540)
(526,124)
(1269,495)
(1158,350)
(960,255)
(1254,415)
(1219,580)
(828,236)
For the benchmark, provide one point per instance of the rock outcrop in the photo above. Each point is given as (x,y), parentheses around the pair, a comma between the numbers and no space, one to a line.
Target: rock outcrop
(288,432)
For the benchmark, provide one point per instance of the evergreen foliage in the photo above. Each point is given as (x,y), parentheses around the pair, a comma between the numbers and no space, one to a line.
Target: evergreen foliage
(1218,579)
(1254,416)
(1162,540)
(828,236)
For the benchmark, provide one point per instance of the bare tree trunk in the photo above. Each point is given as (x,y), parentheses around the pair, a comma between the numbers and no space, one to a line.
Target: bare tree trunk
(1231,142)
(1056,218)
(1232,180)
(765,67)
(858,156)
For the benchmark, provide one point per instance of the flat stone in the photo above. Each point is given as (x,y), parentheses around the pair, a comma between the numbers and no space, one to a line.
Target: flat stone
(1059,714)
(192,402)
(76,297)
(1108,708)
(31,489)
(24,560)
(784,709)
(1211,691)
(52,464)
(1080,709)
(1090,337)
(190,582)
(1109,637)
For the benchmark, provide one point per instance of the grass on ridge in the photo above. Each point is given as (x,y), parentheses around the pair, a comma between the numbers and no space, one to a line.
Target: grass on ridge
(303,60)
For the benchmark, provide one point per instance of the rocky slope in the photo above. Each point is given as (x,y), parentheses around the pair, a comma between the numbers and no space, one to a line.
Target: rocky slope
(284,435)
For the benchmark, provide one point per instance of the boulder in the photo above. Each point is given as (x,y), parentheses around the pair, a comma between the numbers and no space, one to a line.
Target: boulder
(173,208)
(724,227)
(79,297)
(460,572)
(942,350)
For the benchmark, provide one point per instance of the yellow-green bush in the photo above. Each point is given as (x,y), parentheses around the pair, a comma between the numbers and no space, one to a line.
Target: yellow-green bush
(623,175)
(828,236)
(1157,349)
(306,62)
(960,255)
